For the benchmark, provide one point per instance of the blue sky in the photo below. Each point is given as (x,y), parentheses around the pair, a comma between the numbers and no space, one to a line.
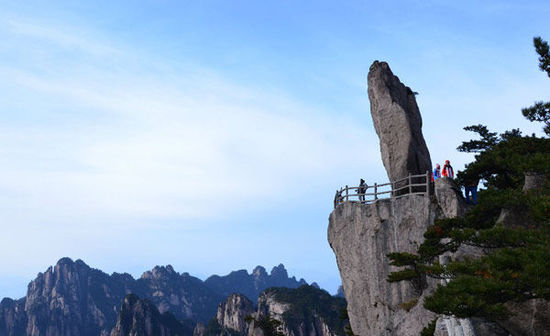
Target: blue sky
(211,135)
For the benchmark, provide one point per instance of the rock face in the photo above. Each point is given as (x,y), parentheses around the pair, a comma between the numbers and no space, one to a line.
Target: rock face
(183,295)
(302,312)
(340,292)
(141,318)
(72,298)
(251,285)
(530,318)
(13,320)
(449,198)
(232,313)
(398,124)
(361,237)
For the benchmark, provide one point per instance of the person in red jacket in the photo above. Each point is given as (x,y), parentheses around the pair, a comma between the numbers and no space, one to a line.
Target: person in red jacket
(447,170)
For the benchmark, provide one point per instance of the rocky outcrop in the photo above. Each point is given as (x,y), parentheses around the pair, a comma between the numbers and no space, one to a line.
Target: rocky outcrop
(340,292)
(183,295)
(529,318)
(449,197)
(251,285)
(361,237)
(199,330)
(13,319)
(303,311)
(233,312)
(398,124)
(141,318)
(73,299)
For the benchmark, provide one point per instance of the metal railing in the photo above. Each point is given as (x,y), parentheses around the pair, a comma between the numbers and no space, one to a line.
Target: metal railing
(410,185)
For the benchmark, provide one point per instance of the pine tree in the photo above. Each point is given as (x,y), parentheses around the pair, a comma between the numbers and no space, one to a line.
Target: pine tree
(540,111)
(516,266)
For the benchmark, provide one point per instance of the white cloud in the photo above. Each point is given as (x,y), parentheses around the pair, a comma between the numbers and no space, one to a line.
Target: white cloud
(150,141)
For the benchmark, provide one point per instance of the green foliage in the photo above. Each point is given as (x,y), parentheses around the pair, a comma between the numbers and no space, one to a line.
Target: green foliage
(542,49)
(345,318)
(213,328)
(430,329)
(503,165)
(488,140)
(269,326)
(307,302)
(540,111)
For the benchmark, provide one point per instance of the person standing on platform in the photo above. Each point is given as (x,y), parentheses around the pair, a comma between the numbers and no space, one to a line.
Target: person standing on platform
(362,190)
(437,172)
(448,170)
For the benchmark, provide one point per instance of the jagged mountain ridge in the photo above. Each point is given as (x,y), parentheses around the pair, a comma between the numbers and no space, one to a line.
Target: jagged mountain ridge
(72,298)
(251,285)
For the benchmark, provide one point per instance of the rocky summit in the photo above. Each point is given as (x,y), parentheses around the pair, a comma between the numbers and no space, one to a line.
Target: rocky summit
(398,123)
(362,235)
(301,311)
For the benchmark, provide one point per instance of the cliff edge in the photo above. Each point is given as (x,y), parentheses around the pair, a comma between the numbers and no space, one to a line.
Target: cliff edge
(361,236)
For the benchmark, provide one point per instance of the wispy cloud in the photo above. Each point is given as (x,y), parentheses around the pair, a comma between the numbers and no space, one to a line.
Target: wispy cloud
(159,142)
(62,37)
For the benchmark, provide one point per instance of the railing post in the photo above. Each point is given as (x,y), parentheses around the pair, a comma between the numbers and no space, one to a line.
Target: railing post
(428,180)
(375,191)
(347,193)
(410,184)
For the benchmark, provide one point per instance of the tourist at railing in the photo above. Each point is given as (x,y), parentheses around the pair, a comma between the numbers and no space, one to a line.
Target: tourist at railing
(437,172)
(448,170)
(338,198)
(412,184)
(362,190)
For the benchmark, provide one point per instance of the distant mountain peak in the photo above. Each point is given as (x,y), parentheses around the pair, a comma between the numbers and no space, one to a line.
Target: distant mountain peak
(65,261)
(259,271)
(251,285)
(159,272)
(279,272)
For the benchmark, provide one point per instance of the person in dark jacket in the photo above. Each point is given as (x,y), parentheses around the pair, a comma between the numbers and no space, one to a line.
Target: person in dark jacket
(337,198)
(362,190)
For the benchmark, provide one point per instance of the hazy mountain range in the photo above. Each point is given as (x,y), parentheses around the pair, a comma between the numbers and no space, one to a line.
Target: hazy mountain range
(72,298)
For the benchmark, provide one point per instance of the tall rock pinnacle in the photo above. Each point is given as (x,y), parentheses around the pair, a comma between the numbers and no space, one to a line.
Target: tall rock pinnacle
(398,124)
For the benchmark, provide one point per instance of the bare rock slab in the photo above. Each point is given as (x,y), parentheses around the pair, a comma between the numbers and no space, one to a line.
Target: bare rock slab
(398,124)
